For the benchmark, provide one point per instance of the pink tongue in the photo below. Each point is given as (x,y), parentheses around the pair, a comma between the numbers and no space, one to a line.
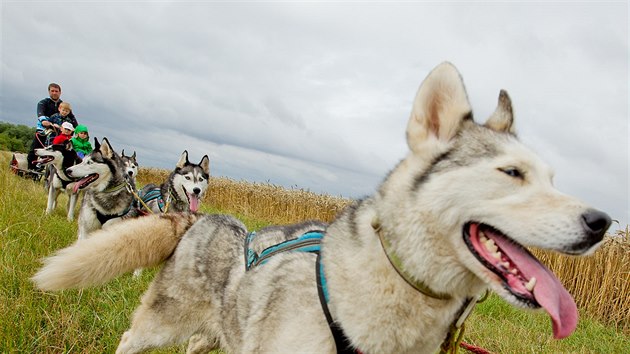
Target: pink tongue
(549,292)
(78,184)
(193,199)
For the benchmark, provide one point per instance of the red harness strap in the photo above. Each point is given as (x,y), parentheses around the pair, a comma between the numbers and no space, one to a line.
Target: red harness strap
(473,349)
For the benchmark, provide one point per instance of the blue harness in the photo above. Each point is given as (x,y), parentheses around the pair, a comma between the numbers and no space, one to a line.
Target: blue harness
(308,242)
(153,194)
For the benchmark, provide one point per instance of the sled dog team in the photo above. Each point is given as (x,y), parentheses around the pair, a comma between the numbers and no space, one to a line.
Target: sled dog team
(109,182)
(395,272)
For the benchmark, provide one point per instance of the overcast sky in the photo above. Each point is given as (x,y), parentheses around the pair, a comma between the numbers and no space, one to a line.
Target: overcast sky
(316,95)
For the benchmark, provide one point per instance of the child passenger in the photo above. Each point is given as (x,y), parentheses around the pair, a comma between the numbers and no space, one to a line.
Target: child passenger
(63,115)
(66,133)
(81,141)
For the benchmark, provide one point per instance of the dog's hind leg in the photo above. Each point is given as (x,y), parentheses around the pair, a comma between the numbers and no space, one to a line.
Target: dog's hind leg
(161,320)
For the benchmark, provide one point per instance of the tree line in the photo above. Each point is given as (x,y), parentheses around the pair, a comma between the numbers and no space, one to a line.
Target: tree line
(16,138)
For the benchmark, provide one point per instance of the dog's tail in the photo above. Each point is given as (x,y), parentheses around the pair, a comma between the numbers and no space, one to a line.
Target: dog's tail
(136,243)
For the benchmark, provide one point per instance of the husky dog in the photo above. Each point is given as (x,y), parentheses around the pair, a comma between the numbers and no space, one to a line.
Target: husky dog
(131,166)
(183,189)
(395,271)
(108,197)
(58,158)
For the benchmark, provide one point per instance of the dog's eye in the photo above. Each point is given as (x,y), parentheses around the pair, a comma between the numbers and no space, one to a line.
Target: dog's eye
(512,172)
(187,178)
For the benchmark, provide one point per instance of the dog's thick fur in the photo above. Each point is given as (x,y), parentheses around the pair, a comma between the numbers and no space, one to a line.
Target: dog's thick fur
(183,189)
(107,195)
(58,158)
(464,193)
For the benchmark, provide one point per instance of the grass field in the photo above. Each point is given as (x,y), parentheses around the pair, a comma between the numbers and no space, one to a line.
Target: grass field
(92,320)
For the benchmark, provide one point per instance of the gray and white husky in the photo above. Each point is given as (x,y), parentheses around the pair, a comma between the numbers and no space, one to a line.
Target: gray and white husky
(107,195)
(59,157)
(131,166)
(450,221)
(183,189)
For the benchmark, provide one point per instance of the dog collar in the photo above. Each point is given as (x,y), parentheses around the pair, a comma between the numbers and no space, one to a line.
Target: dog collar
(397,264)
(115,188)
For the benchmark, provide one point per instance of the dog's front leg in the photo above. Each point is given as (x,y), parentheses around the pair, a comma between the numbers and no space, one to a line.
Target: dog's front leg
(88,221)
(200,343)
(72,201)
(52,198)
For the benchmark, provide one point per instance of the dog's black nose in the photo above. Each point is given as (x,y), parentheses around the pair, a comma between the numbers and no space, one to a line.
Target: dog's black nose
(595,224)
(68,172)
(196,190)
(130,173)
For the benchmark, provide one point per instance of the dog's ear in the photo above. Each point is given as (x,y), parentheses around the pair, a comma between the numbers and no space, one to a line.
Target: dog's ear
(97,145)
(134,155)
(122,153)
(183,160)
(106,149)
(502,120)
(68,145)
(205,164)
(440,107)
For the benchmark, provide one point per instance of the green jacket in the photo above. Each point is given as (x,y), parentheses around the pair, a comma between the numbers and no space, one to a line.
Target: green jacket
(82,145)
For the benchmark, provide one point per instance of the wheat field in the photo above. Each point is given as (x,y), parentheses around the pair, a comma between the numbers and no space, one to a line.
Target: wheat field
(600,283)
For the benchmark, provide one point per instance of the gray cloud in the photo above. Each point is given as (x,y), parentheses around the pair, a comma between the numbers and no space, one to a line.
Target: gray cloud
(316,95)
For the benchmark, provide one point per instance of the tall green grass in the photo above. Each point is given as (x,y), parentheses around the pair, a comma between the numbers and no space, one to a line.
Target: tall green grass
(93,320)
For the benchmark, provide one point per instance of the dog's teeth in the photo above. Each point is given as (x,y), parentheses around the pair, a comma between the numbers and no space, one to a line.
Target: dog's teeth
(530,284)
(491,246)
(496,255)
(514,271)
(482,237)
(506,265)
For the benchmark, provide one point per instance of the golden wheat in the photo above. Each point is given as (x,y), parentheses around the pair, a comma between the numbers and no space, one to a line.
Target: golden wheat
(261,200)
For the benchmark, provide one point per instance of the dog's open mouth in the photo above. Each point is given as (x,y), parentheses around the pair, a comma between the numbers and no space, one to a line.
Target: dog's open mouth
(85,181)
(523,275)
(44,159)
(193,201)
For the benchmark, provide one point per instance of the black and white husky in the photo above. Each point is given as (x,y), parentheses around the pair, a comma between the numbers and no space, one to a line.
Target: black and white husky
(392,273)
(108,195)
(57,158)
(183,189)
